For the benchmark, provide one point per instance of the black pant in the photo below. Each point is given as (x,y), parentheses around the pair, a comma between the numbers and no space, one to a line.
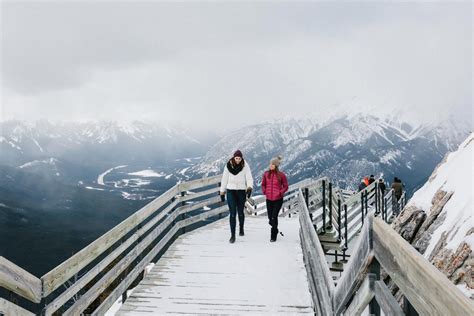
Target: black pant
(273,207)
(236,201)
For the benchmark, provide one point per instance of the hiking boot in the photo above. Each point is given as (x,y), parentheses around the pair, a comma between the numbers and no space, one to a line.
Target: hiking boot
(241,231)
(232,239)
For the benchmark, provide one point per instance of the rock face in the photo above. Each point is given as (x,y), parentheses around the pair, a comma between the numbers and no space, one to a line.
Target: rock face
(438,221)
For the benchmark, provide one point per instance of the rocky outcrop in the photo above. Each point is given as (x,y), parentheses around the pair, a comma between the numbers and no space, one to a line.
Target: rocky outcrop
(417,228)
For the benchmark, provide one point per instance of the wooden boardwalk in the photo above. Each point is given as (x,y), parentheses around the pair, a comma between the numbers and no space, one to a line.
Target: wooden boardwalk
(201,273)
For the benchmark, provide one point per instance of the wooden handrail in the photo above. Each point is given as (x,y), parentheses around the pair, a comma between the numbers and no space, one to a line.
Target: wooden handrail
(59,275)
(317,268)
(427,289)
(20,281)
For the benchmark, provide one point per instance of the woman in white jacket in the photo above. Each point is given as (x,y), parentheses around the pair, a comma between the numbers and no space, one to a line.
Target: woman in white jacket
(238,182)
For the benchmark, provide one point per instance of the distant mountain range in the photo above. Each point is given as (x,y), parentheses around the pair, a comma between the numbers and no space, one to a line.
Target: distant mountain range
(344,148)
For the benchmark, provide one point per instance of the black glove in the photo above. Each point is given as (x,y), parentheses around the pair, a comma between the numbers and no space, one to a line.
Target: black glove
(222,197)
(249,192)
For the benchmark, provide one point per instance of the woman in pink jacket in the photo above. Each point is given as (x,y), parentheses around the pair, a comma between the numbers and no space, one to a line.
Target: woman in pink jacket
(274,186)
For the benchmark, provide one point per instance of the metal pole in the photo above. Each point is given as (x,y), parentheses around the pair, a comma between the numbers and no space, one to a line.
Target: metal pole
(366,202)
(330,204)
(364,194)
(324,207)
(385,209)
(377,209)
(345,225)
(339,228)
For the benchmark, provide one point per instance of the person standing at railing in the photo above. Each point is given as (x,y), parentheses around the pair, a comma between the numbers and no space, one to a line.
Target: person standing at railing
(382,187)
(397,187)
(274,187)
(238,182)
(371,179)
(362,185)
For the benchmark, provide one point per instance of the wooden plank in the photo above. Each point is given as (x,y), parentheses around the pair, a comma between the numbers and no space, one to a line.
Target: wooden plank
(195,195)
(202,275)
(199,183)
(125,284)
(362,297)
(111,275)
(387,302)
(89,276)
(194,206)
(8,308)
(85,279)
(311,280)
(356,269)
(59,275)
(427,289)
(20,281)
(319,267)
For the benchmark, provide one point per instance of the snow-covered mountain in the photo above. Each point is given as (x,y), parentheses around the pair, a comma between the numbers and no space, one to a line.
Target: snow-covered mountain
(344,148)
(97,143)
(439,219)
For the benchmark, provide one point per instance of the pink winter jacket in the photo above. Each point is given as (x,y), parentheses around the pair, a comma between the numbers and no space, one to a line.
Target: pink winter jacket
(273,188)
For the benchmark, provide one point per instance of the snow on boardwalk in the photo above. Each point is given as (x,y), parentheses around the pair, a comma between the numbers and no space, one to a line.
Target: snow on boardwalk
(201,273)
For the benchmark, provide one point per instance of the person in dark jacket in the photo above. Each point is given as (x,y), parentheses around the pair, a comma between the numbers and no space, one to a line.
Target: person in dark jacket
(382,186)
(362,185)
(274,186)
(397,187)
(371,179)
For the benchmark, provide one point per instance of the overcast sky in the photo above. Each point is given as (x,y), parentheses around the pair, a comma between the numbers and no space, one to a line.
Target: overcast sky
(231,64)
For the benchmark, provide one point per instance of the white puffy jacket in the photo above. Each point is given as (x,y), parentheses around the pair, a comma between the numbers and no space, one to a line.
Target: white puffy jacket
(240,181)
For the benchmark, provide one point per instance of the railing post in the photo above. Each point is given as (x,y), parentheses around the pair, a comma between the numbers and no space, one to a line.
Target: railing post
(374,307)
(362,201)
(330,205)
(377,206)
(306,201)
(183,216)
(324,207)
(384,208)
(345,226)
(339,228)
(364,197)
(366,202)
(218,192)
(394,203)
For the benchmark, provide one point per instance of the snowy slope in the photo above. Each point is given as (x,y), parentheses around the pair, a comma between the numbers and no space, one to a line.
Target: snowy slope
(455,229)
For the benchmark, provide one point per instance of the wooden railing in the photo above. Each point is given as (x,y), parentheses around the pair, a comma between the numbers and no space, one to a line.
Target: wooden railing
(378,247)
(109,265)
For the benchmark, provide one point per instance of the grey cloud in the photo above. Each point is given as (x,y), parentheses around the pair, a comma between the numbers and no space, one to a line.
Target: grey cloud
(200,61)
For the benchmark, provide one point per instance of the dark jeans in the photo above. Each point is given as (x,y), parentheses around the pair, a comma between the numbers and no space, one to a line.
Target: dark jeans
(236,201)
(273,207)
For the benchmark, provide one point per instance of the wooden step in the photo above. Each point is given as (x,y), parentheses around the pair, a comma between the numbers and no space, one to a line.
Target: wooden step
(326,238)
(337,266)
(332,246)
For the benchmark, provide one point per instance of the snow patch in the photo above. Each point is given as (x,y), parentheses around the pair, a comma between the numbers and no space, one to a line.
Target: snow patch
(100,179)
(92,188)
(147,174)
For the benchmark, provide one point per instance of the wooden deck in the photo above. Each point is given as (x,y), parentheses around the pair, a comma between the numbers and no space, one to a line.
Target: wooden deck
(201,273)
